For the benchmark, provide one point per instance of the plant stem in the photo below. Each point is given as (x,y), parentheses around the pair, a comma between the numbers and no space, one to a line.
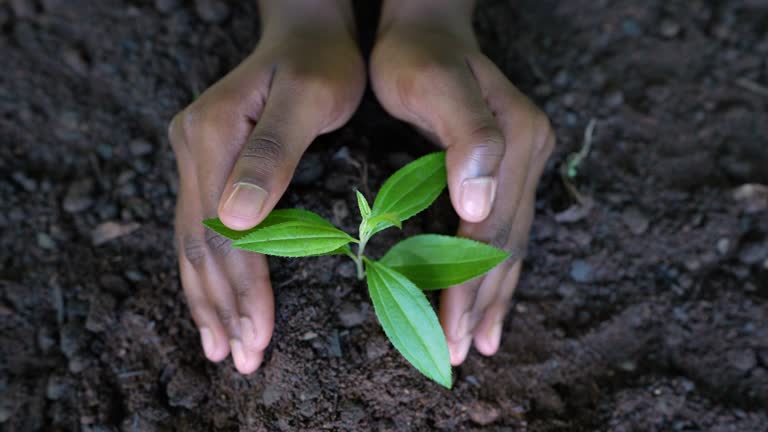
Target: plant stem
(359,260)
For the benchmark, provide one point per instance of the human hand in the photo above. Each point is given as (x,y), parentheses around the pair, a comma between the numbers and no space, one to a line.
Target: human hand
(427,69)
(237,147)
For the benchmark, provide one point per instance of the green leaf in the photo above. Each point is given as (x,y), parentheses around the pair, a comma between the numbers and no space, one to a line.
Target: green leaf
(295,239)
(380,222)
(433,261)
(362,203)
(413,187)
(274,218)
(409,322)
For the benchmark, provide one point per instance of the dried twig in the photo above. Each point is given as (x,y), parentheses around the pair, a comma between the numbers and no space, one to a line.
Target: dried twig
(752,86)
(570,169)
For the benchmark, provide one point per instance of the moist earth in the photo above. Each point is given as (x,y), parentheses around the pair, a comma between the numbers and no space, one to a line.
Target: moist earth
(645,309)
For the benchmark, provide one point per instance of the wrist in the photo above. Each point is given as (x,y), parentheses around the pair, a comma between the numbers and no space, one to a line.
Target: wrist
(301,16)
(455,15)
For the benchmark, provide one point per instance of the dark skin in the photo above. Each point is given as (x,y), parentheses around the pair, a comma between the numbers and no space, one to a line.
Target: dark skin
(238,145)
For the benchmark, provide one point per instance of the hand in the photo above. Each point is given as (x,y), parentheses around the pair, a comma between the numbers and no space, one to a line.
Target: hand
(237,147)
(426,69)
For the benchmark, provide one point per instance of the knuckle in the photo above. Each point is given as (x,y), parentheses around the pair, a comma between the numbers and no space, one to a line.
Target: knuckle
(196,120)
(216,243)
(227,316)
(242,290)
(262,153)
(488,145)
(193,250)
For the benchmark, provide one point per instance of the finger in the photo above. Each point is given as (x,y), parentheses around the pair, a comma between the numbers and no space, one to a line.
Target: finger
(456,311)
(296,111)
(213,336)
(200,256)
(487,334)
(449,103)
(202,251)
(249,277)
(463,307)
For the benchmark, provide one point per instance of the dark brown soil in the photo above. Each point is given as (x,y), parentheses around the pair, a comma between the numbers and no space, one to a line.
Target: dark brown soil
(650,313)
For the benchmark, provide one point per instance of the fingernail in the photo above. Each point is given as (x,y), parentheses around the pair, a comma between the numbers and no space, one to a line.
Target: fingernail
(238,354)
(494,336)
(245,201)
(477,195)
(246,327)
(206,338)
(459,351)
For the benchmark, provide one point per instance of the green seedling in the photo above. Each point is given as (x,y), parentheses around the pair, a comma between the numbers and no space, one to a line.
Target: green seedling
(396,281)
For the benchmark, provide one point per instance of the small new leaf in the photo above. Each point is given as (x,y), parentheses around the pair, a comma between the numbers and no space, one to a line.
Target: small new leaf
(381,222)
(433,261)
(409,322)
(362,203)
(295,239)
(412,188)
(274,218)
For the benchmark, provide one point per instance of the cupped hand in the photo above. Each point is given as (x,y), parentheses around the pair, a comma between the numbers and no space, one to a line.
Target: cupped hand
(427,69)
(237,147)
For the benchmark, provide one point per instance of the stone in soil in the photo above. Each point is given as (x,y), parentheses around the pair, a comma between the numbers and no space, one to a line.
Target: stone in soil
(483,413)
(351,314)
(636,221)
(581,271)
(187,388)
(79,196)
(108,231)
(212,11)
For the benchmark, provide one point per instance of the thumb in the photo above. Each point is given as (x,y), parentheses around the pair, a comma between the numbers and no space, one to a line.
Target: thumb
(453,104)
(293,116)
(472,162)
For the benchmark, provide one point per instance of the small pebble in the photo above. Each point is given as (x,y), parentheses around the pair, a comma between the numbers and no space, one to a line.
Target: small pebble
(635,221)
(45,241)
(346,269)
(723,245)
(308,336)
(614,99)
(75,60)
(134,275)
(212,11)
(669,28)
(742,359)
(351,315)
(166,6)
(581,271)
(27,183)
(22,8)
(187,388)
(483,413)
(753,252)
(57,387)
(108,231)
(78,196)
(631,27)
(375,349)
(140,147)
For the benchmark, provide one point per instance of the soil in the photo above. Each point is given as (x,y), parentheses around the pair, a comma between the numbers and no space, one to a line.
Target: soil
(649,312)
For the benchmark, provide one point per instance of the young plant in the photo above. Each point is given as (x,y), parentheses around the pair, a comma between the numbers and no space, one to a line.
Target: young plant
(395,282)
